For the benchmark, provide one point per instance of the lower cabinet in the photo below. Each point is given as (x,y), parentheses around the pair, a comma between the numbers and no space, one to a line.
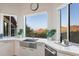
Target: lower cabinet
(38,51)
(6,48)
(27,51)
(10,48)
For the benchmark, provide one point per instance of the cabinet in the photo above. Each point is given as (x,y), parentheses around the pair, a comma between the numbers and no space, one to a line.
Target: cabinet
(27,51)
(6,48)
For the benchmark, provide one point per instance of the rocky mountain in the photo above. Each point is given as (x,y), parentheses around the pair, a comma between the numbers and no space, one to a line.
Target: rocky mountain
(39,30)
(73,28)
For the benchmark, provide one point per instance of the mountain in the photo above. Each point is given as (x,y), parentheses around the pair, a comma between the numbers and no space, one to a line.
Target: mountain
(73,28)
(63,29)
(39,30)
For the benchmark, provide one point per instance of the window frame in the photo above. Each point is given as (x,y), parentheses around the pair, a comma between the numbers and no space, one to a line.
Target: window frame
(67,22)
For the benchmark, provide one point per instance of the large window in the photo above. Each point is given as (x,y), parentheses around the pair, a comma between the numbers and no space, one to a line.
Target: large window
(36,25)
(72,28)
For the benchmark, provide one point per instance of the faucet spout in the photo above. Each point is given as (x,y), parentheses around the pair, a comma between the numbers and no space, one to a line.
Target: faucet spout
(66,42)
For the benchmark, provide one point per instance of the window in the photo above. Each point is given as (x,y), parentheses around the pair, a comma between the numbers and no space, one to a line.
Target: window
(10,26)
(71,28)
(64,23)
(74,22)
(36,25)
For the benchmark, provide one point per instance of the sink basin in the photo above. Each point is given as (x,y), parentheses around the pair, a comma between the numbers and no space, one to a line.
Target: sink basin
(29,43)
(30,40)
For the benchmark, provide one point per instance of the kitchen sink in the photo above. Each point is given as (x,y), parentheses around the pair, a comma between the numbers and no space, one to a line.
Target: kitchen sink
(29,43)
(30,40)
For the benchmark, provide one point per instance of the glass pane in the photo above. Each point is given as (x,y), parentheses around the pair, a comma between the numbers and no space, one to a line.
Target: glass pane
(13,26)
(74,22)
(5,29)
(36,25)
(64,23)
(5,24)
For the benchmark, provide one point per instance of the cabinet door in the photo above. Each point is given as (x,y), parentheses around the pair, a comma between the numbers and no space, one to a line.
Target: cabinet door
(6,49)
(17,49)
(24,51)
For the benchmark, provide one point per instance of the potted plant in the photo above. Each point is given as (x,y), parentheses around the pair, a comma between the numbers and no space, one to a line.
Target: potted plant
(51,33)
(20,32)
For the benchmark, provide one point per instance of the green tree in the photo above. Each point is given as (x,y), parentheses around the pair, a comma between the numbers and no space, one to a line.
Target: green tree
(31,33)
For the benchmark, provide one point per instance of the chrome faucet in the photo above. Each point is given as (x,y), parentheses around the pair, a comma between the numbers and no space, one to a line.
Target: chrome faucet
(66,42)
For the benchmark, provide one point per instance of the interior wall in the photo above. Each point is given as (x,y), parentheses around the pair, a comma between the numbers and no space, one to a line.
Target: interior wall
(6,9)
(9,8)
(53,15)
(22,9)
(54,22)
(26,10)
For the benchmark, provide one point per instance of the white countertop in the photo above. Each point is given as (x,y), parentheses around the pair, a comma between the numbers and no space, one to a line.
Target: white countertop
(71,50)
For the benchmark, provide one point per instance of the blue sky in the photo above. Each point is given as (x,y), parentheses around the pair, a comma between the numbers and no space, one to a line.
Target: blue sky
(64,16)
(37,21)
(74,12)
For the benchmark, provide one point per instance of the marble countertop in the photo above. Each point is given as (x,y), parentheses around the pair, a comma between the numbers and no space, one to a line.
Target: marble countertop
(70,50)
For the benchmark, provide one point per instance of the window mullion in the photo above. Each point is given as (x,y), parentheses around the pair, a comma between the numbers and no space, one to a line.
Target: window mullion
(68,22)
